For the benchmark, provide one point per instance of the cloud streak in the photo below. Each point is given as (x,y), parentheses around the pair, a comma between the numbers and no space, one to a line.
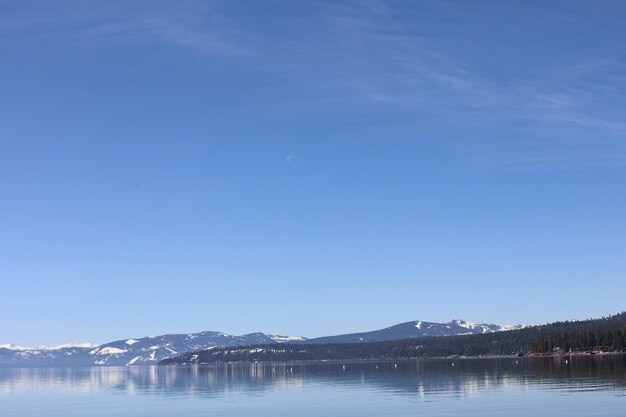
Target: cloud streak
(432,62)
(573,108)
(191,24)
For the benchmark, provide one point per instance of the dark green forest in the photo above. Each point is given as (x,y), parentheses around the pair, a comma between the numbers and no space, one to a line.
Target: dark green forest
(606,341)
(579,335)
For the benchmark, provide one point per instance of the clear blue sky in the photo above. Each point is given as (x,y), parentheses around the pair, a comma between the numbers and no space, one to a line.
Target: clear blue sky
(308,167)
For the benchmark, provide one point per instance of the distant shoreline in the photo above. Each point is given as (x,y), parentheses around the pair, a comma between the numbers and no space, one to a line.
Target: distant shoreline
(321,361)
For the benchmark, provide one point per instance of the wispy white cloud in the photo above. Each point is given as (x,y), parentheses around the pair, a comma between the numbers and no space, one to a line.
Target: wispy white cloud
(409,59)
(575,107)
(192,24)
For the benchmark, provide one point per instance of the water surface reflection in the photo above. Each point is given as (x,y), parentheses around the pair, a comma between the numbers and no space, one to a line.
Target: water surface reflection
(422,379)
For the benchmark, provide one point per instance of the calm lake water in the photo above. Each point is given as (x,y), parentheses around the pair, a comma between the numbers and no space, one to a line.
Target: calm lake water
(582,386)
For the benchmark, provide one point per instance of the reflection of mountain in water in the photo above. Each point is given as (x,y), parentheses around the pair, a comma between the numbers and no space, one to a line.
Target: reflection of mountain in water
(420,378)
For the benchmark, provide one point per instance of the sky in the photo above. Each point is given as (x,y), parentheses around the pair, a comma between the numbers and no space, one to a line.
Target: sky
(308,168)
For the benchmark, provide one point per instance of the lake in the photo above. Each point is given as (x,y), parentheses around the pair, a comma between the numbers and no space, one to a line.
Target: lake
(579,386)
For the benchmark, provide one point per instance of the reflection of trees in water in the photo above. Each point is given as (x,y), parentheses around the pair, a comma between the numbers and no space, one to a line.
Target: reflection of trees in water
(458,377)
(603,368)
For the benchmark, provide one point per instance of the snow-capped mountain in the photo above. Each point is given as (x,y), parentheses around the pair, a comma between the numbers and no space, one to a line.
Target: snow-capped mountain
(415,329)
(143,351)
(150,350)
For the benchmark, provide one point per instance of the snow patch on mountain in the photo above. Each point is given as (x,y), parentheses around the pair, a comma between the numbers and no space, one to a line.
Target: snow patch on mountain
(465,324)
(133,360)
(283,339)
(508,327)
(108,351)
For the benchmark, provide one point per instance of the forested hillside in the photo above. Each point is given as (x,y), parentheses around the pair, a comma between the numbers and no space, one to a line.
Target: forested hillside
(605,341)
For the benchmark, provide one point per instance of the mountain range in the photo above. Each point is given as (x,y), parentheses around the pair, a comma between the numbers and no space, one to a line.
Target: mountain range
(577,337)
(152,349)
(142,351)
